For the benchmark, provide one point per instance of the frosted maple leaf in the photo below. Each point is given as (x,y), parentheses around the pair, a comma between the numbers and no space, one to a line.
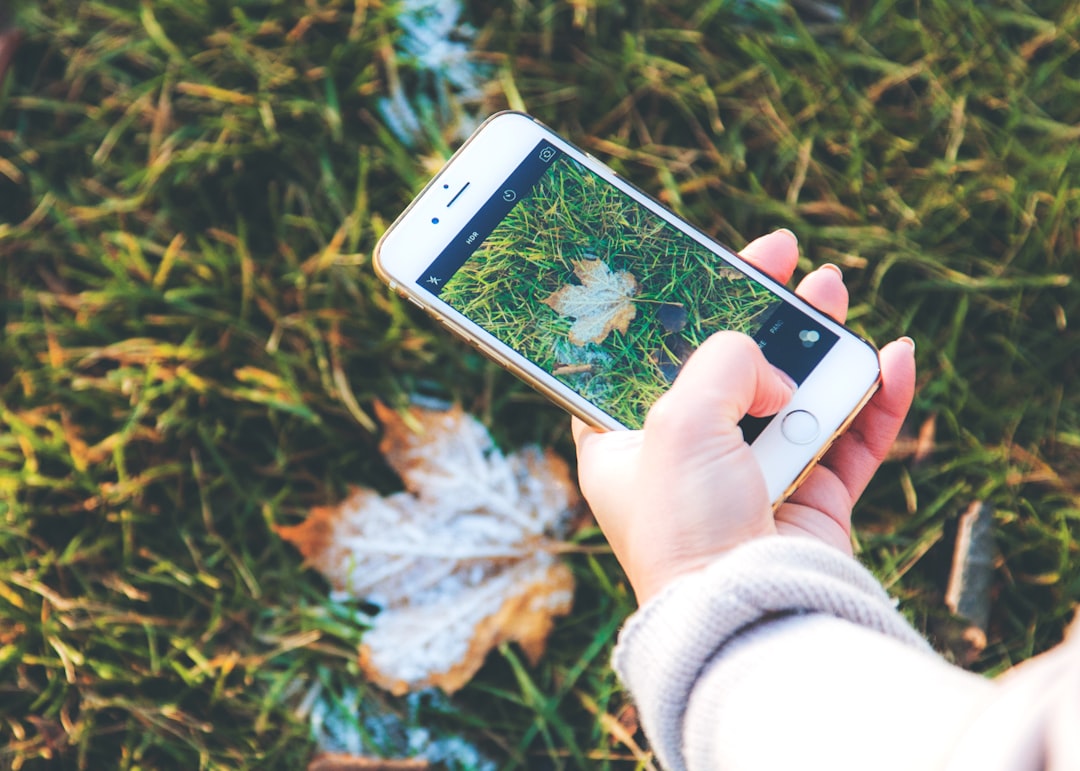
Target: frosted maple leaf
(602,302)
(460,561)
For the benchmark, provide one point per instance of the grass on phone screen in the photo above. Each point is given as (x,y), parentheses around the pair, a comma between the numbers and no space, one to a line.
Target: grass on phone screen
(570,216)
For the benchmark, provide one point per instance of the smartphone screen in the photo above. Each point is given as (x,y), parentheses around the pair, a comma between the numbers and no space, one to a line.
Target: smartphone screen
(602,293)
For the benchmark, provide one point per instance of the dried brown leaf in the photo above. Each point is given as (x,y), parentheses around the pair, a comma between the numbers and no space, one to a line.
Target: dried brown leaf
(602,302)
(460,561)
(338,762)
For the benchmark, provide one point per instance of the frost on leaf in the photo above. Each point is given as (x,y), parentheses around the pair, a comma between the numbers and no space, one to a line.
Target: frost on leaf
(603,301)
(459,562)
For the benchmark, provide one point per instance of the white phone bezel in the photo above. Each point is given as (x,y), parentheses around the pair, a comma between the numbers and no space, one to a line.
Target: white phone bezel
(833,392)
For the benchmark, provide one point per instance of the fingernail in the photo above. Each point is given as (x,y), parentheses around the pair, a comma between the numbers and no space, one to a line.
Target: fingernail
(909,341)
(791,384)
(834,268)
(794,237)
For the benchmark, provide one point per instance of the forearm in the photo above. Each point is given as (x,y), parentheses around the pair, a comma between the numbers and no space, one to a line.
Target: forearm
(815,691)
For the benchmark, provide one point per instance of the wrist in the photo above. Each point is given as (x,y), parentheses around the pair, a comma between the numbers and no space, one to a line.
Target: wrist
(653,575)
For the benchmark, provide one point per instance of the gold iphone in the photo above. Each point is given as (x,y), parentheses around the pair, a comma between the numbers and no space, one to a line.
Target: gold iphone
(595,294)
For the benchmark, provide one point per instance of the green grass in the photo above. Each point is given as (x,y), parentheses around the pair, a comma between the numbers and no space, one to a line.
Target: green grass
(192,334)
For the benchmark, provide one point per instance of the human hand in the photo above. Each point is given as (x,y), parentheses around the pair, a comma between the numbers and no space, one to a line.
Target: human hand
(686,488)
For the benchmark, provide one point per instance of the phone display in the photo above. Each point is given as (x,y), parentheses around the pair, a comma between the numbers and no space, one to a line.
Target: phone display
(601,293)
(597,295)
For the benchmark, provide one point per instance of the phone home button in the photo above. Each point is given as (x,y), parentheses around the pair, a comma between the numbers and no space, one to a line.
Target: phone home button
(800,427)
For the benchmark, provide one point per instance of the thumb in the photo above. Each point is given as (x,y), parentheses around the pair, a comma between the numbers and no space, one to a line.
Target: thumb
(727,378)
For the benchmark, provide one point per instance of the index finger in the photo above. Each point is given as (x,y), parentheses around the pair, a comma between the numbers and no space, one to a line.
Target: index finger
(775,254)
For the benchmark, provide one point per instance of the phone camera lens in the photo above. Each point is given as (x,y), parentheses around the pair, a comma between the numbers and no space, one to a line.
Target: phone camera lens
(434,220)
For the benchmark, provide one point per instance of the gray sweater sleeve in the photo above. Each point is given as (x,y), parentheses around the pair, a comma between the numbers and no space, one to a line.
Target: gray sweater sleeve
(784,653)
(671,644)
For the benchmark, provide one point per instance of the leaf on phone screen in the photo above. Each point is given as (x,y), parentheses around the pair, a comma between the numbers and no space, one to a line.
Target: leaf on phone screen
(460,561)
(602,302)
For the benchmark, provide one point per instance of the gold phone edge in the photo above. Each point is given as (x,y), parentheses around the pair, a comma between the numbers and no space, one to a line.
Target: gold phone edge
(826,446)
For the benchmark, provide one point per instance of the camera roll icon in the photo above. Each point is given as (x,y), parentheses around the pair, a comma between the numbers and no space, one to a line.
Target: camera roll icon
(809,337)
(547,154)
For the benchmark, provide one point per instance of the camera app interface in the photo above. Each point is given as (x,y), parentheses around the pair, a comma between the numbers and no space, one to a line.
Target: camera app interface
(609,298)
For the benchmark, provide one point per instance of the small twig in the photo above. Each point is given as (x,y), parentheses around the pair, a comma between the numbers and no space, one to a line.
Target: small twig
(970,581)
